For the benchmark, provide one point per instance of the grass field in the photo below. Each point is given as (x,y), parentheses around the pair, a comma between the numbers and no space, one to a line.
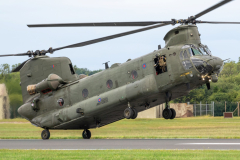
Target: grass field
(200,127)
(119,154)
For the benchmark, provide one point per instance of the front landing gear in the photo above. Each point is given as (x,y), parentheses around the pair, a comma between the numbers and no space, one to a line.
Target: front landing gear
(168,113)
(45,134)
(130,113)
(86,134)
(173,113)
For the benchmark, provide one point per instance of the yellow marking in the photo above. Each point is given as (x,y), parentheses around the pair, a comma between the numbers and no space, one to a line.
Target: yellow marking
(184,74)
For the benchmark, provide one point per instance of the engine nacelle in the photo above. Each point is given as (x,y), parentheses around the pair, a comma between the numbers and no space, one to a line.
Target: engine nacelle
(47,85)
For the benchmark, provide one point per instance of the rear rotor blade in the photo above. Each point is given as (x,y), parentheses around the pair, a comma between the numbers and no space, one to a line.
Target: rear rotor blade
(100,24)
(18,68)
(19,54)
(50,50)
(211,8)
(212,22)
(109,37)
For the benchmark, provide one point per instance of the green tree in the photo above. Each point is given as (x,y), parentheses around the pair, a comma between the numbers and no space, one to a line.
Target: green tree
(15,66)
(4,69)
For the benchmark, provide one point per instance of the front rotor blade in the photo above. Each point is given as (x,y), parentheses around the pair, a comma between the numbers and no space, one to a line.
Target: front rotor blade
(109,37)
(212,22)
(100,24)
(211,8)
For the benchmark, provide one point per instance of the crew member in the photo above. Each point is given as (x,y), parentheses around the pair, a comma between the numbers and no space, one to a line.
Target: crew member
(162,63)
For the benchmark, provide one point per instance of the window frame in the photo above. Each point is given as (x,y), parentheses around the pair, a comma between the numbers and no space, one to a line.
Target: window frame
(185,60)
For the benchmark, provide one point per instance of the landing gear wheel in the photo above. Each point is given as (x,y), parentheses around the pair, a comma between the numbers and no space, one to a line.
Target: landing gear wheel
(128,113)
(135,113)
(45,134)
(167,113)
(86,134)
(173,113)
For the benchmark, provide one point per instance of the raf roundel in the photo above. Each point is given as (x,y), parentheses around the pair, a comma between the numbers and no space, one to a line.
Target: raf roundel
(144,65)
(99,99)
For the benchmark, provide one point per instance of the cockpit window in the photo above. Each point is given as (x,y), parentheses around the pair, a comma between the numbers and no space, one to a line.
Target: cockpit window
(185,55)
(181,55)
(203,51)
(196,52)
(208,50)
(190,51)
(187,64)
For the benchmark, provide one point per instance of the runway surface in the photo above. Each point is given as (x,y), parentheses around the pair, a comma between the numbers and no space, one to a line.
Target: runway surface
(74,144)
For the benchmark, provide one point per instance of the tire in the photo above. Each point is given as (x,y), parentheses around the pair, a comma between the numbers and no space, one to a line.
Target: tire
(45,134)
(86,134)
(173,113)
(128,113)
(135,113)
(167,113)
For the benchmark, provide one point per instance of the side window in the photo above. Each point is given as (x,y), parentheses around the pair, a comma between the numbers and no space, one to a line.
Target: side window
(85,93)
(160,64)
(185,60)
(134,74)
(109,84)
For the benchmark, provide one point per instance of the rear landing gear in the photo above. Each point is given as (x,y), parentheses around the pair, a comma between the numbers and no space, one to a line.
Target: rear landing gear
(130,113)
(45,134)
(135,113)
(86,134)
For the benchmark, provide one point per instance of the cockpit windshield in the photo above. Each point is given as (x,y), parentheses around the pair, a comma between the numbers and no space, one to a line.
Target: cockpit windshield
(194,52)
(197,51)
(207,50)
(203,51)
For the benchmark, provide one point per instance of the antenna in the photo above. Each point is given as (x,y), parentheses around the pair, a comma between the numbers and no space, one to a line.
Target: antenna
(106,65)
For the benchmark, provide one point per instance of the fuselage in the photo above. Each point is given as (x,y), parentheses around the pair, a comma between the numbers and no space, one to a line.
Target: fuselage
(100,99)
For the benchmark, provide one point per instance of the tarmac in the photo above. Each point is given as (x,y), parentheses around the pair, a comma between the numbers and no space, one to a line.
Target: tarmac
(104,144)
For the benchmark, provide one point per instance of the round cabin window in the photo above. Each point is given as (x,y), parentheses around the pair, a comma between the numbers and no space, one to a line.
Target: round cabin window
(60,102)
(134,74)
(85,93)
(109,84)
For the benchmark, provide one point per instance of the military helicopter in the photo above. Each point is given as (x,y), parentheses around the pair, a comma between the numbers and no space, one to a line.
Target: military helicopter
(56,98)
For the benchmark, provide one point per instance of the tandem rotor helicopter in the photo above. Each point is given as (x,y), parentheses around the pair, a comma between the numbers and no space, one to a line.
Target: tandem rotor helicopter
(56,98)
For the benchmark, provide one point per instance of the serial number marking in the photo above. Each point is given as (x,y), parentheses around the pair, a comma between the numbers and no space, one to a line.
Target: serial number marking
(103,100)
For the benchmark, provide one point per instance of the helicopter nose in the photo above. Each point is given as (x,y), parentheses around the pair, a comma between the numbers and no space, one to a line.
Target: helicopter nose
(208,65)
(217,64)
